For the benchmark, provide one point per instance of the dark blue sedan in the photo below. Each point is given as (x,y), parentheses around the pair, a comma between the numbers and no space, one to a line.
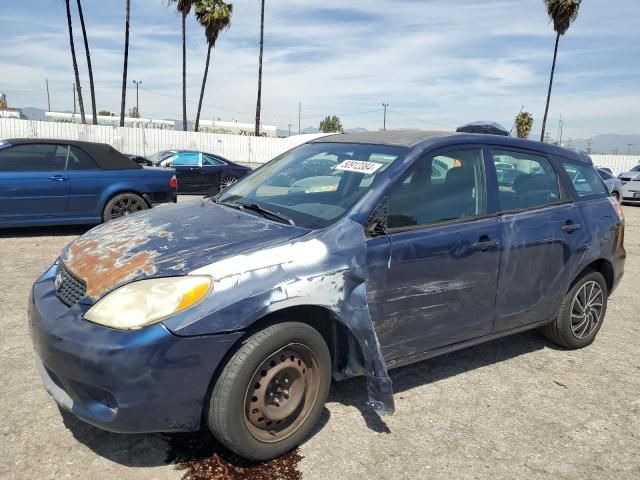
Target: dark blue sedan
(54,182)
(235,312)
(199,172)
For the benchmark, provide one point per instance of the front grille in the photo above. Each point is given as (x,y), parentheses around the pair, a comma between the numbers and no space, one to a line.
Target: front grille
(69,288)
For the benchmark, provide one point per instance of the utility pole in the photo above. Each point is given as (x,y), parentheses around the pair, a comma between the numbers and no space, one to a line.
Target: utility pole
(299,118)
(560,136)
(589,149)
(384,122)
(290,125)
(137,83)
(74,100)
(48,96)
(629,145)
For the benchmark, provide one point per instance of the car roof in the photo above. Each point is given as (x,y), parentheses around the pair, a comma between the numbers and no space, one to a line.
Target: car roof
(107,157)
(418,138)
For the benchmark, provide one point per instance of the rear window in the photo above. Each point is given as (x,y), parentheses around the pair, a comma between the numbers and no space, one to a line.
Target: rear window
(585,180)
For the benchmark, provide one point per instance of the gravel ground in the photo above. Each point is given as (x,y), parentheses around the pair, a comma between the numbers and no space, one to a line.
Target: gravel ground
(513,408)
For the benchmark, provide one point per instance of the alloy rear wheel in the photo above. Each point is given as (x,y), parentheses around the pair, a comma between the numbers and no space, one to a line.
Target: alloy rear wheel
(123,204)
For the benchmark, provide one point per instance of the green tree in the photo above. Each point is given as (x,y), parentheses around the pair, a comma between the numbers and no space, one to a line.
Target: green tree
(524,122)
(75,61)
(89,67)
(562,13)
(259,102)
(214,16)
(184,7)
(126,62)
(331,125)
(105,113)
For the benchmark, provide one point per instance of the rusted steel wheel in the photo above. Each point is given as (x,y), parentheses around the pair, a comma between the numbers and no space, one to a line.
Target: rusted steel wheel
(123,204)
(272,391)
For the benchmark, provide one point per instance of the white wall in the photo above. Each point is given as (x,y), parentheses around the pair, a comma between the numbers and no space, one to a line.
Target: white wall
(144,141)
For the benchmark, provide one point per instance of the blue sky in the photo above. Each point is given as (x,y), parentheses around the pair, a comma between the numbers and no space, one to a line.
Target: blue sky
(439,63)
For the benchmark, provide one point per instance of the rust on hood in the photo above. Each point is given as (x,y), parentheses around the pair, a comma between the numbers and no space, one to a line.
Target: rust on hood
(114,253)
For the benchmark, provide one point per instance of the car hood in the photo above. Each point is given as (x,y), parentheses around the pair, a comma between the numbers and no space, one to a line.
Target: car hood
(629,174)
(166,241)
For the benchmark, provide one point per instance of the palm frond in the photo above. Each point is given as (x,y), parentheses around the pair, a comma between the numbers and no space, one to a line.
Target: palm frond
(562,13)
(182,6)
(214,16)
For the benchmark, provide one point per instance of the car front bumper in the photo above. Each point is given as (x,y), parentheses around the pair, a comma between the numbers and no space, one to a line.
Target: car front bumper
(148,380)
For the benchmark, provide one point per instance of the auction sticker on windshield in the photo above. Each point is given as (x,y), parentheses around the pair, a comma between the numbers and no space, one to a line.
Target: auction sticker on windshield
(358,166)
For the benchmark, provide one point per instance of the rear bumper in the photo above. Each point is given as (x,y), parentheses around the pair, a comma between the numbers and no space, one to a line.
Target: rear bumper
(148,380)
(159,198)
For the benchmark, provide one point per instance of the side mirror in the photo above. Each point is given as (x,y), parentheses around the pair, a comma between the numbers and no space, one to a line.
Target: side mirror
(377,223)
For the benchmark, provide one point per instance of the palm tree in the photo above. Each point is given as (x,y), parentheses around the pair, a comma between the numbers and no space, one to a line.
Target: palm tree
(75,61)
(184,7)
(126,60)
(86,49)
(562,13)
(214,16)
(524,122)
(259,104)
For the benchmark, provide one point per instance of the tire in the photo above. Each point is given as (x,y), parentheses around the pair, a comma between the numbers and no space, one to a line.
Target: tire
(243,415)
(123,204)
(572,328)
(616,195)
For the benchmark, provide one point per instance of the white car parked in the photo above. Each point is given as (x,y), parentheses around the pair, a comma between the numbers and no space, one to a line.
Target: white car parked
(631,191)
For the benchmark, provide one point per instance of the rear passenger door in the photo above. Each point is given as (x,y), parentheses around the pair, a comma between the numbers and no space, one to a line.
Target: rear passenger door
(188,171)
(212,170)
(543,238)
(33,182)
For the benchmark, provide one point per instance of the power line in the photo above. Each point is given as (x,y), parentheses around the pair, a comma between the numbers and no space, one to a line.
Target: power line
(420,120)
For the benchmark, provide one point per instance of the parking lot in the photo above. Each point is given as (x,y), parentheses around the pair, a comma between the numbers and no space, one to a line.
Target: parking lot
(518,407)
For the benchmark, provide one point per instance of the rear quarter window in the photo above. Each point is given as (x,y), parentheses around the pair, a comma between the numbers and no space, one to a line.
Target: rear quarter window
(585,180)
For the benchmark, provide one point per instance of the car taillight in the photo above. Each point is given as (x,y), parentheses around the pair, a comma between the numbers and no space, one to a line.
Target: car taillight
(617,208)
(173,183)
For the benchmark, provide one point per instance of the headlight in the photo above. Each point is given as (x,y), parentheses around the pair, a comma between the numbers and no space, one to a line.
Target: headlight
(142,303)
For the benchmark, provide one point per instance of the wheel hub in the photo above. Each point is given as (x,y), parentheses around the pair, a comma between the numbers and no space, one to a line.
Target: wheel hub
(278,391)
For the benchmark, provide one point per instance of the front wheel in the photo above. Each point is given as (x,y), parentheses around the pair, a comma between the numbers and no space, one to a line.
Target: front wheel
(123,204)
(272,391)
(616,195)
(227,182)
(581,313)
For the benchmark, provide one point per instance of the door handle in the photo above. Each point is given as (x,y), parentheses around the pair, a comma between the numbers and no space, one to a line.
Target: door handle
(59,178)
(570,227)
(485,243)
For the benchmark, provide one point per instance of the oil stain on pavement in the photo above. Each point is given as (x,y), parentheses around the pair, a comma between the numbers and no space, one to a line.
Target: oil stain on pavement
(200,457)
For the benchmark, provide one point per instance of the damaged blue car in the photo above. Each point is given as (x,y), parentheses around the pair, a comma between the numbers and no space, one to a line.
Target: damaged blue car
(348,255)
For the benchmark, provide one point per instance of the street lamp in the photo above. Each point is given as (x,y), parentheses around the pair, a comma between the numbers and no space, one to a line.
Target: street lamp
(137,83)
(384,124)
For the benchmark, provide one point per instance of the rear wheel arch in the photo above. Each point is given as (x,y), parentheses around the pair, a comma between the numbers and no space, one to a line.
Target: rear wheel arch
(602,266)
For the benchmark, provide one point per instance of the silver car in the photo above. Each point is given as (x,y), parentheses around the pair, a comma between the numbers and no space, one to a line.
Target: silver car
(613,184)
(630,175)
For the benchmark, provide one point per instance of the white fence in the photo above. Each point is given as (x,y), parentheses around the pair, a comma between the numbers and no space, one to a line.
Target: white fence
(237,148)
(145,141)
(617,163)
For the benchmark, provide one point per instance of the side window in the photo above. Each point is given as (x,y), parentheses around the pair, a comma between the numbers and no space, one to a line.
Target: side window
(524,180)
(447,186)
(585,180)
(79,160)
(604,174)
(190,159)
(37,157)
(211,161)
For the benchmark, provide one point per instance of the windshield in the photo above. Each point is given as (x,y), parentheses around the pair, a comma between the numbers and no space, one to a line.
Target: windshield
(316,183)
(159,156)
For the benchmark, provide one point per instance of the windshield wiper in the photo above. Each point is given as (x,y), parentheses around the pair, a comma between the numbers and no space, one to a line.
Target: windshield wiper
(257,208)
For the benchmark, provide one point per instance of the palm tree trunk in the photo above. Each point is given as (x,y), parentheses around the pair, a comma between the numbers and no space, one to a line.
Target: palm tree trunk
(126,61)
(184,73)
(86,48)
(553,68)
(259,103)
(204,81)
(75,62)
